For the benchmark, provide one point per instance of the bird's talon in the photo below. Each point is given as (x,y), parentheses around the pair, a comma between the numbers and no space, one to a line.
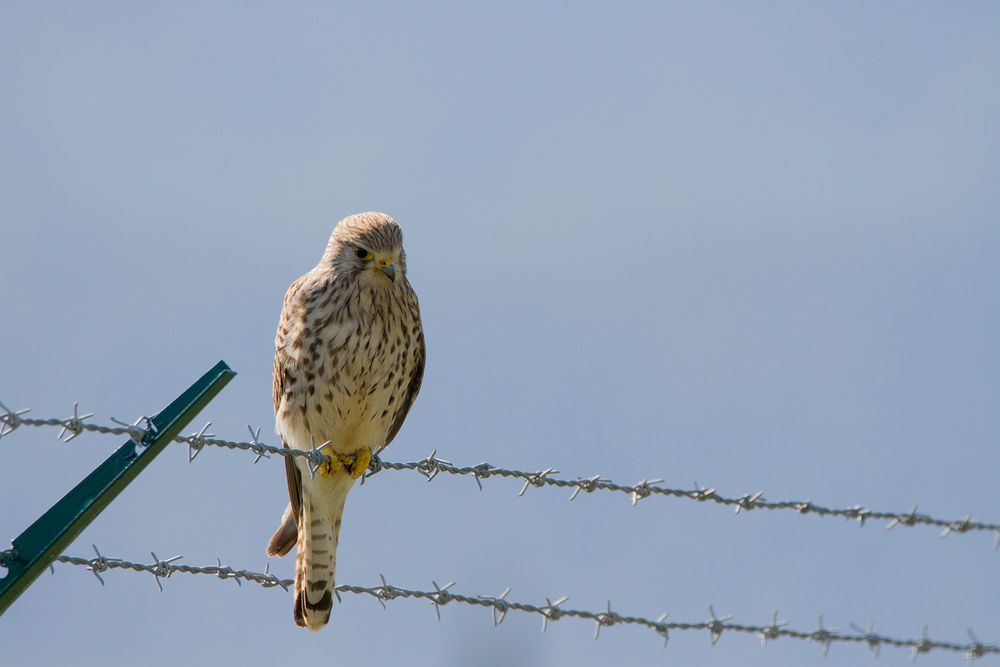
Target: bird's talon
(354,464)
(362,458)
(326,468)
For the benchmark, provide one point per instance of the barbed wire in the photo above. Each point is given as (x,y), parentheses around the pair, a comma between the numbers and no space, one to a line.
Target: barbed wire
(431,466)
(552,610)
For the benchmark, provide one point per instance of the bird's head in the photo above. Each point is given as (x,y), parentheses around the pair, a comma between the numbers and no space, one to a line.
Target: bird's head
(370,247)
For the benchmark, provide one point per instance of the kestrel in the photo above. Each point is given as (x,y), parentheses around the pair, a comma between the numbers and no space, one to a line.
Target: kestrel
(348,363)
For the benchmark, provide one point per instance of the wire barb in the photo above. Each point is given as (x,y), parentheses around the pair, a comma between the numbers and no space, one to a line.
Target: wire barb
(551,611)
(255,445)
(440,597)
(873,640)
(663,627)
(716,625)
(161,568)
(642,489)
(588,484)
(538,479)
(498,604)
(10,419)
(748,502)
(772,631)
(73,426)
(430,467)
(606,619)
(317,458)
(196,441)
(824,636)
(99,564)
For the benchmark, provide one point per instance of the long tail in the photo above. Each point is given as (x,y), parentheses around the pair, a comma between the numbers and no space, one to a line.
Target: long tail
(316,559)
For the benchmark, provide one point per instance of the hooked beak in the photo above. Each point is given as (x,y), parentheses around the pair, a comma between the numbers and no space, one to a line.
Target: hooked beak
(390,271)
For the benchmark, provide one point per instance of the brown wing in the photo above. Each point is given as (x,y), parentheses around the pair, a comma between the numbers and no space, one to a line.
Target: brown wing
(287,326)
(411,390)
(287,534)
(283,363)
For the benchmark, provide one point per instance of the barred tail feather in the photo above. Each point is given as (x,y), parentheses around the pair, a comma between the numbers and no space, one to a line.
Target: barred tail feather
(315,563)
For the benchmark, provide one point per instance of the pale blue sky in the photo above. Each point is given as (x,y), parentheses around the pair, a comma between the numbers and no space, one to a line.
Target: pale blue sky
(749,244)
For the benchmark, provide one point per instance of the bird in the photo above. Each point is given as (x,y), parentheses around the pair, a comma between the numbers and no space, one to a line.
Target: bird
(348,364)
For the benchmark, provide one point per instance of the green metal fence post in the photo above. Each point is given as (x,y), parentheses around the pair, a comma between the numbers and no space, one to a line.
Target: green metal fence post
(34,549)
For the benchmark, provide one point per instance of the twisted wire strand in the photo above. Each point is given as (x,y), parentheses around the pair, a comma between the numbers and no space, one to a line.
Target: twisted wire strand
(431,466)
(551,611)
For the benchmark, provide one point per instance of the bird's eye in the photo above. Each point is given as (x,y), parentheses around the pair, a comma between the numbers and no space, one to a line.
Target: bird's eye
(363,254)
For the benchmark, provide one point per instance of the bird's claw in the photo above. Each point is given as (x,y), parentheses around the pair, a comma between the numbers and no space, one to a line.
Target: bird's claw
(362,458)
(354,464)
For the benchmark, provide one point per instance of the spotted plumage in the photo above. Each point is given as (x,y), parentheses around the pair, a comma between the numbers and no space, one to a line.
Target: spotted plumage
(348,363)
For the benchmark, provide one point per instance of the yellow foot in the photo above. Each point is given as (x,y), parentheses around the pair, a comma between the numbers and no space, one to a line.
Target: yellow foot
(354,464)
(361,458)
(331,467)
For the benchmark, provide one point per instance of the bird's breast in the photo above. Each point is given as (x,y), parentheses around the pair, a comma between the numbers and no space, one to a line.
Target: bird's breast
(355,372)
